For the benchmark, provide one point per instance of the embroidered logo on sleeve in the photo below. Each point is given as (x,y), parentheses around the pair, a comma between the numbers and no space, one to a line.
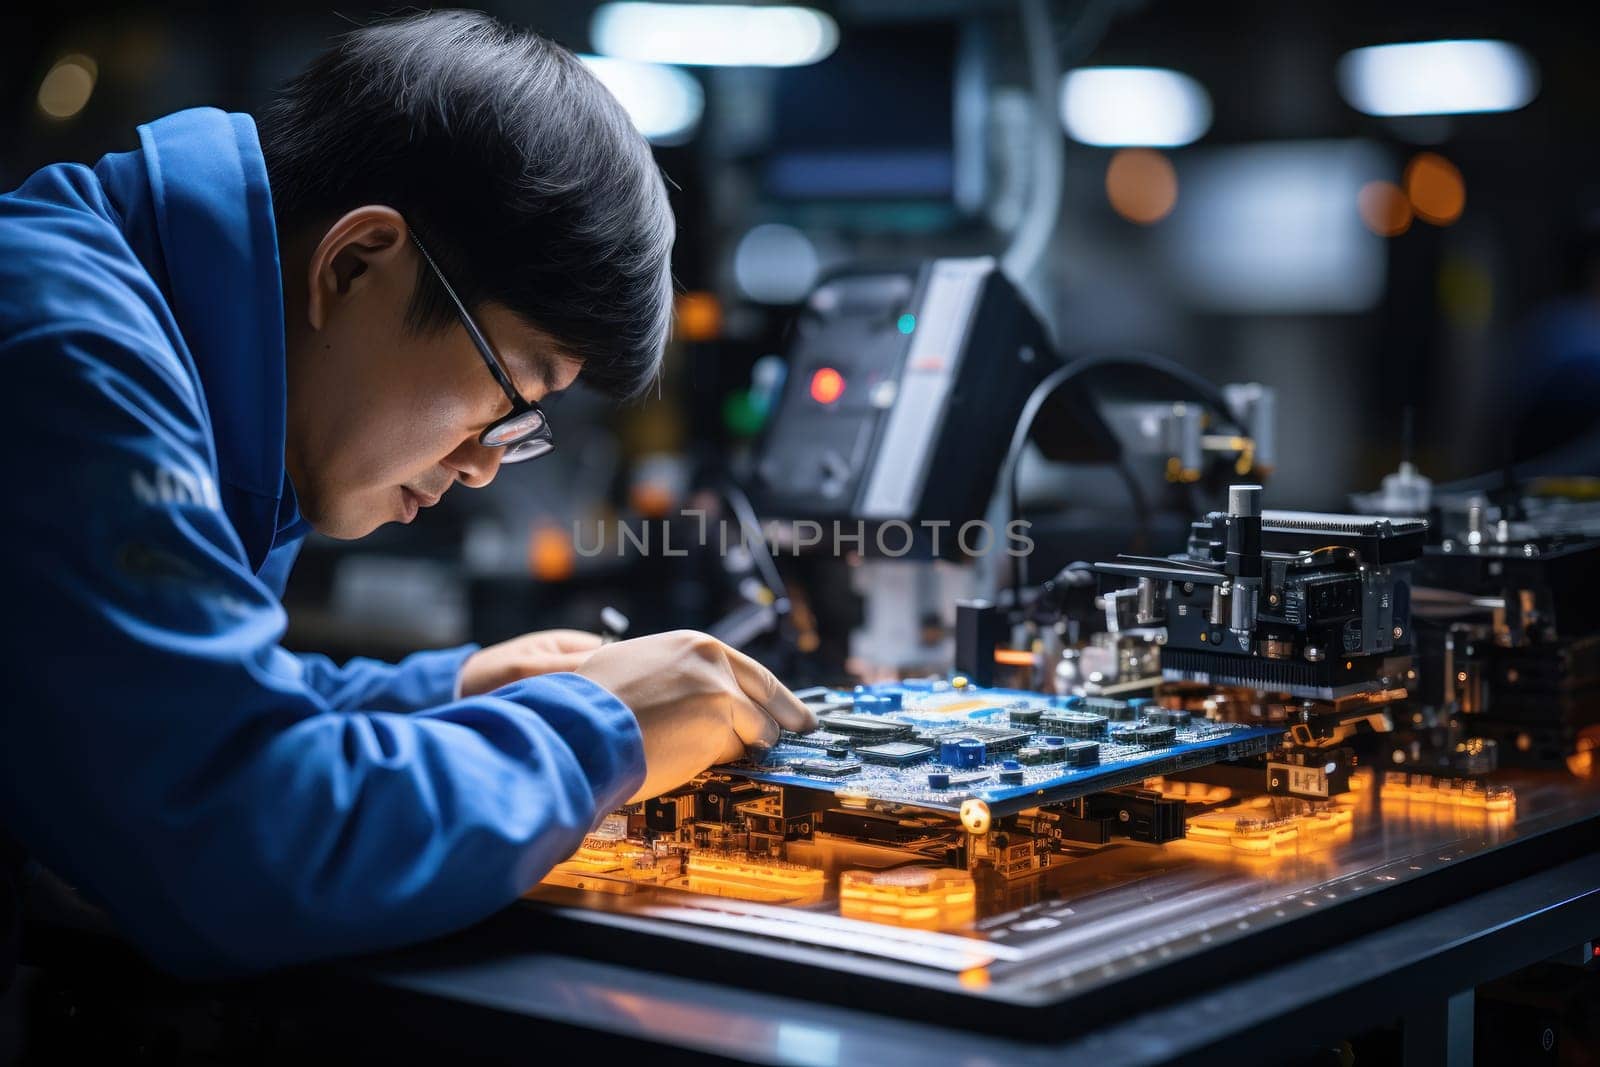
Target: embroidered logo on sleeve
(171,485)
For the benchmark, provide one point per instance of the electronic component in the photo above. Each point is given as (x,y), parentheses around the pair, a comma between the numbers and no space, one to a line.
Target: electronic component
(717,798)
(941,716)
(956,780)
(818,739)
(875,727)
(748,878)
(1149,734)
(1075,723)
(978,626)
(995,739)
(824,769)
(1023,715)
(923,898)
(1168,716)
(1457,792)
(895,753)
(962,752)
(1140,814)
(1313,773)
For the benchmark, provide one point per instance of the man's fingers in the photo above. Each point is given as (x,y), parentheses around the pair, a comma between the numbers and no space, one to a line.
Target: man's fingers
(755,731)
(770,694)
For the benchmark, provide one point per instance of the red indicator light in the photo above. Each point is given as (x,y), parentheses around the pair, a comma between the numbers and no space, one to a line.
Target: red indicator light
(827,385)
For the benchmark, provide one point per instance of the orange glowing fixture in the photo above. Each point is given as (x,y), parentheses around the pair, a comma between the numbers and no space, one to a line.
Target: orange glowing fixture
(923,898)
(827,385)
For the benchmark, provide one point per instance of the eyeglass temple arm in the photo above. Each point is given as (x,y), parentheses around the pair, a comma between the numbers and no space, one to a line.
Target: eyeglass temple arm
(478,340)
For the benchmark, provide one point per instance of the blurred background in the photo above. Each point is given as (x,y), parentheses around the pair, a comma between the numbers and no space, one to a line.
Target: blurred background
(1372,208)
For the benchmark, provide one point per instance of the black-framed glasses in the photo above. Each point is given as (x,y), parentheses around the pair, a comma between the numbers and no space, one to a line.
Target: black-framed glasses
(525,433)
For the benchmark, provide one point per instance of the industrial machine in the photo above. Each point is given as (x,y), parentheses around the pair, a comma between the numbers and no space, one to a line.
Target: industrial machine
(1101,783)
(1023,857)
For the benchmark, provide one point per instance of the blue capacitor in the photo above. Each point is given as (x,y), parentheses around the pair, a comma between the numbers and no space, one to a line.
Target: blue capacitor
(872,704)
(970,752)
(947,751)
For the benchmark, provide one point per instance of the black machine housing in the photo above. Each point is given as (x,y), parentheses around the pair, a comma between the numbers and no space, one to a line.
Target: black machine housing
(1311,605)
(936,363)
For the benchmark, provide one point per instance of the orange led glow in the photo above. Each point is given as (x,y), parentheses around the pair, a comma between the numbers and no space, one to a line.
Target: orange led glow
(699,317)
(550,554)
(1013,657)
(827,385)
(1141,185)
(1435,188)
(726,874)
(1384,208)
(919,897)
(1458,792)
(1581,762)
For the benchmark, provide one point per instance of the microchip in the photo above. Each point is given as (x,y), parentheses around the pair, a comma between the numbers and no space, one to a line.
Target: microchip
(1075,723)
(818,739)
(957,779)
(1112,708)
(994,738)
(1152,734)
(894,753)
(823,769)
(1082,753)
(1022,715)
(871,726)
(821,700)
(1168,716)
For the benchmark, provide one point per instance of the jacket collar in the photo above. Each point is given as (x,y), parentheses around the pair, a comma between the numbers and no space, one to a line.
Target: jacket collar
(213,214)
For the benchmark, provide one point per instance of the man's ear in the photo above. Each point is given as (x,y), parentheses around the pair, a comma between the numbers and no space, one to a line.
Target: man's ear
(367,238)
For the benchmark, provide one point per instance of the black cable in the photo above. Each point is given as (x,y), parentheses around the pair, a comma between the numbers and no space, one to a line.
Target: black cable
(1208,394)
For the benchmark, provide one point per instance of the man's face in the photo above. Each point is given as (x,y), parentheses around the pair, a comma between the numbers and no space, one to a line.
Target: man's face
(383,421)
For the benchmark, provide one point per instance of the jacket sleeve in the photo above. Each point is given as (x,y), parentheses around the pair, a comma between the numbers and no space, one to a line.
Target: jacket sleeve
(162,752)
(421,680)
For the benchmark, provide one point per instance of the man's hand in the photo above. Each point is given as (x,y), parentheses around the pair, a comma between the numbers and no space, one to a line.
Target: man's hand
(544,652)
(698,702)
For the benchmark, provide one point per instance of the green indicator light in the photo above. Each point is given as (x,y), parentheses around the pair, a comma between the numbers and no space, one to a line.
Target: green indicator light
(908,323)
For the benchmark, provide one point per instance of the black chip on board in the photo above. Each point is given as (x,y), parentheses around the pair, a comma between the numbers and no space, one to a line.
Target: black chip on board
(894,753)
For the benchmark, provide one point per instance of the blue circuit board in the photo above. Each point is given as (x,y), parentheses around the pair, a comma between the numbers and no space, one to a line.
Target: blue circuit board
(936,743)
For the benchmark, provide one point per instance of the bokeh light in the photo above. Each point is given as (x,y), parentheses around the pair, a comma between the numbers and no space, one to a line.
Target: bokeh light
(66,89)
(699,317)
(1435,188)
(1142,185)
(1384,208)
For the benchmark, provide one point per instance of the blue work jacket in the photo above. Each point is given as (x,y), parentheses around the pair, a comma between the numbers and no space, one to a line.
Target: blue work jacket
(232,806)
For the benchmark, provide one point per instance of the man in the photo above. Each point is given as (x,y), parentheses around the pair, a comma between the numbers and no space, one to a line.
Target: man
(229,337)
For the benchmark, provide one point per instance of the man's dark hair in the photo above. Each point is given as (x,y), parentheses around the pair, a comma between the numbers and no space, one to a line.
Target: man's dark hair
(519,170)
